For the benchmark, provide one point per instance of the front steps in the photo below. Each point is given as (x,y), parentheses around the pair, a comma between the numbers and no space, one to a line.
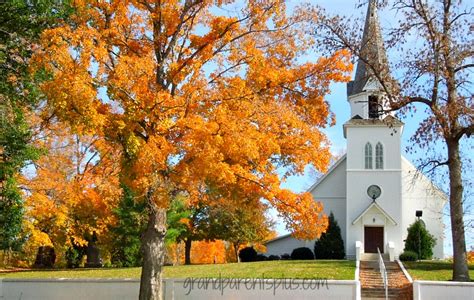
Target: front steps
(373,257)
(372,285)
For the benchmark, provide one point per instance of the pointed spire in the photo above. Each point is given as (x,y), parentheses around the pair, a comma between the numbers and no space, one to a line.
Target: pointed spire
(372,50)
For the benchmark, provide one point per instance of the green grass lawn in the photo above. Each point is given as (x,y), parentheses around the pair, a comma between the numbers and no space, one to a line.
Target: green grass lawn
(433,270)
(330,269)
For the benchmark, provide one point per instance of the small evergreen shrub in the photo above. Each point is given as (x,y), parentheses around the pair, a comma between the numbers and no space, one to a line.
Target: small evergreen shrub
(302,253)
(419,240)
(330,244)
(248,254)
(408,256)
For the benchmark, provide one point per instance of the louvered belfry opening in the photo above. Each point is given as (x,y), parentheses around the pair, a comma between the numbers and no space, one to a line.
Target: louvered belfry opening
(373,107)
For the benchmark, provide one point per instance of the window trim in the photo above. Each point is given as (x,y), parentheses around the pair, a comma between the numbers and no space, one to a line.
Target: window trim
(379,156)
(368,156)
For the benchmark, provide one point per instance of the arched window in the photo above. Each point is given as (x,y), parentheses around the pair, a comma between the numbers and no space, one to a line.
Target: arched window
(379,156)
(368,156)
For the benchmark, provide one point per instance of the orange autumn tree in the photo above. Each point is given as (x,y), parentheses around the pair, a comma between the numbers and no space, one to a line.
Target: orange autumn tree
(203,252)
(72,191)
(216,217)
(208,252)
(246,224)
(196,91)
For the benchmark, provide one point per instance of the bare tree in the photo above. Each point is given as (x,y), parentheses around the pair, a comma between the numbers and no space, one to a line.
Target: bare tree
(434,39)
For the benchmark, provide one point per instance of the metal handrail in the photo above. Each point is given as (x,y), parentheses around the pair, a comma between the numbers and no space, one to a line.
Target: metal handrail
(383,272)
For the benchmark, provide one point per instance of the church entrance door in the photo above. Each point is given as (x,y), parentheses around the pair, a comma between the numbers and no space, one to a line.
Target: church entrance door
(373,239)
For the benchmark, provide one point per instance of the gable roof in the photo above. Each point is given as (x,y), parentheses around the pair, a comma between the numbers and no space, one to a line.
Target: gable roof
(331,169)
(389,121)
(278,238)
(379,208)
(320,180)
(441,192)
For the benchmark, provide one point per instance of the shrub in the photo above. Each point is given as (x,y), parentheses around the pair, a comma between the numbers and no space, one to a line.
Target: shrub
(131,222)
(261,257)
(302,253)
(248,254)
(107,264)
(408,256)
(74,255)
(285,256)
(330,245)
(419,240)
(274,257)
(45,257)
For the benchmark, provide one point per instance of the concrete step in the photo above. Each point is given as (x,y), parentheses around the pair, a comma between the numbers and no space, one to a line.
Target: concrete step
(372,284)
(379,295)
(373,256)
(398,296)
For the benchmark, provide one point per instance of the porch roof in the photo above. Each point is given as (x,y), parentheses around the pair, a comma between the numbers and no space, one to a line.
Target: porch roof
(375,204)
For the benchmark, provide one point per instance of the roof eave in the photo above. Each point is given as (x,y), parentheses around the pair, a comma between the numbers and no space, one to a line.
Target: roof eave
(377,206)
(331,169)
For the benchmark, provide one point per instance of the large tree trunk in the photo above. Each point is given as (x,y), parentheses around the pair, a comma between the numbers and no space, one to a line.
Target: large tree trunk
(460,268)
(187,251)
(153,247)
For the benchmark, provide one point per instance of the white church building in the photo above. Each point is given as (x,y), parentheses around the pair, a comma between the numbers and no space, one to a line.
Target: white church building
(373,191)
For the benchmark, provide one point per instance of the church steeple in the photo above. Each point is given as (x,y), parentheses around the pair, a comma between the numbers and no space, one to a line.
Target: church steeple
(365,86)
(371,50)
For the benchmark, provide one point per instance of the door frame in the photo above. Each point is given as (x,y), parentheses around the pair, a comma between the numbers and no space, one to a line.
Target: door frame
(383,237)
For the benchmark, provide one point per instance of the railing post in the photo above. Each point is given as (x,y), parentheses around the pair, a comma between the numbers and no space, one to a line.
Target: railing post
(358,245)
(383,272)
(391,251)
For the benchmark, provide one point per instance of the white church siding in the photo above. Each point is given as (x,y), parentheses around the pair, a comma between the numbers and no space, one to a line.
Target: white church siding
(420,194)
(359,179)
(285,245)
(330,191)
(401,197)
(358,201)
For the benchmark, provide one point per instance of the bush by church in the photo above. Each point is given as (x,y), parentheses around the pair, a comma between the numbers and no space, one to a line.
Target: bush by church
(419,240)
(408,256)
(248,254)
(302,253)
(330,245)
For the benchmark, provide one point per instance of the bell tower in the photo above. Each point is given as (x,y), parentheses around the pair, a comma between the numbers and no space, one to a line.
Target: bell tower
(365,93)
(373,149)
